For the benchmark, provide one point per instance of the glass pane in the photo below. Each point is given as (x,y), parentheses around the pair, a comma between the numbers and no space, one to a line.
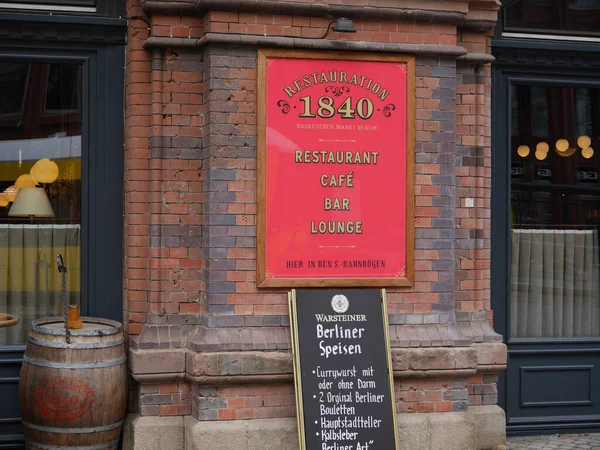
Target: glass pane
(40,190)
(558,16)
(14,79)
(62,88)
(555,203)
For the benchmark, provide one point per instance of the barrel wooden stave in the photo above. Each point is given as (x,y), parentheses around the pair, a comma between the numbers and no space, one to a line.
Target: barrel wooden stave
(63,403)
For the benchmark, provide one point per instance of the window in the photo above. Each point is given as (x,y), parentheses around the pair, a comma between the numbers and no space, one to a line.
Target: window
(40,189)
(555,207)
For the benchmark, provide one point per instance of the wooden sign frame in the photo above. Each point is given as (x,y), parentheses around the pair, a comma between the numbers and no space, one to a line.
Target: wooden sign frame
(406,276)
(292,302)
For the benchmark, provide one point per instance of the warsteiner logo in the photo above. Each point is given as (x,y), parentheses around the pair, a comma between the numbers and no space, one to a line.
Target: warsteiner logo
(62,398)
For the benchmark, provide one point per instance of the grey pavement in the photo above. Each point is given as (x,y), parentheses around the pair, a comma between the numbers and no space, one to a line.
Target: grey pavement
(586,441)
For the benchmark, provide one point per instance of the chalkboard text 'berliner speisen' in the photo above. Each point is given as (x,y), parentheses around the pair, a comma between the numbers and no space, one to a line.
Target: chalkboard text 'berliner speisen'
(338,340)
(346,399)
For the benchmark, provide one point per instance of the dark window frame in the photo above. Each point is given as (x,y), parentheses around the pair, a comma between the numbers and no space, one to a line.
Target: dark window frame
(502,20)
(561,61)
(105,8)
(501,185)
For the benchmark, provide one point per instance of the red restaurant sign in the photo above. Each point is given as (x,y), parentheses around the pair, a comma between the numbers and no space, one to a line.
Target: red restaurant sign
(336,182)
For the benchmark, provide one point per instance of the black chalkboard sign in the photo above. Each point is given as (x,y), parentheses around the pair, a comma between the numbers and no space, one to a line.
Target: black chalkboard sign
(344,383)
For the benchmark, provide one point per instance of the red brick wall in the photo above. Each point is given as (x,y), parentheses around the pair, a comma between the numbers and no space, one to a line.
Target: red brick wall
(167,399)
(473,179)
(428,396)
(165,195)
(190,192)
(301,26)
(245,402)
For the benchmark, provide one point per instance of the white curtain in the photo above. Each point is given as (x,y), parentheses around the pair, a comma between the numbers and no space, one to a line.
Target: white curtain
(555,279)
(30,284)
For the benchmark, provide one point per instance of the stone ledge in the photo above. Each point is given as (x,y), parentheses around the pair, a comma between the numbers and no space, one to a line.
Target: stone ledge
(278,338)
(157,361)
(202,339)
(252,367)
(419,362)
(303,43)
(428,335)
(491,357)
(242,338)
(479,331)
(479,428)
(165,336)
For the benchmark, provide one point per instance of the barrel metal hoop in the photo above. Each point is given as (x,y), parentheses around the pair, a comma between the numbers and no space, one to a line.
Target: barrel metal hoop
(37,326)
(53,344)
(57,365)
(90,430)
(70,447)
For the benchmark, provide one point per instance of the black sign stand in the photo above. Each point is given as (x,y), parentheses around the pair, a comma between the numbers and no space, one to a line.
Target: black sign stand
(342,367)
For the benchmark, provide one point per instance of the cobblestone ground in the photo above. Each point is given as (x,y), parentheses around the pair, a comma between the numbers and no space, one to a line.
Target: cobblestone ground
(555,442)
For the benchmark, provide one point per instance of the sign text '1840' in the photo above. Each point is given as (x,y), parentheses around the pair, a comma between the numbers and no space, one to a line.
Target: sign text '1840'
(326,108)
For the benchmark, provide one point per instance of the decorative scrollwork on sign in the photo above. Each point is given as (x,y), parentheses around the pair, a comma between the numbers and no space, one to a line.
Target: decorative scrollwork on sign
(387,111)
(337,90)
(285,106)
(401,273)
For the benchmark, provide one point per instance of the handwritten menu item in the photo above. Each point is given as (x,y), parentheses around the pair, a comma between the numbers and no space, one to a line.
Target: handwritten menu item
(335,169)
(344,387)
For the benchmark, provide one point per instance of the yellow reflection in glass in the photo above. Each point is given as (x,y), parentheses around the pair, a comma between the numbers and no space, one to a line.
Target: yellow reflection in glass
(3,200)
(25,181)
(567,152)
(523,151)
(540,155)
(45,171)
(584,141)
(562,145)
(587,152)
(542,147)
(11,193)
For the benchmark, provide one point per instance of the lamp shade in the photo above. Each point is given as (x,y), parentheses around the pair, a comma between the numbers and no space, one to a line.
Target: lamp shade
(31,202)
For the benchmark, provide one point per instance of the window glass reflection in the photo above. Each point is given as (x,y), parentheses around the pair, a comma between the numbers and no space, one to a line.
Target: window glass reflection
(62,88)
(553,16)
(555,203)
(40,189)
(12,95)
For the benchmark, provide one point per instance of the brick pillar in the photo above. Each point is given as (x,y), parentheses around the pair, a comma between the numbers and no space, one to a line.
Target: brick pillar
(210,352)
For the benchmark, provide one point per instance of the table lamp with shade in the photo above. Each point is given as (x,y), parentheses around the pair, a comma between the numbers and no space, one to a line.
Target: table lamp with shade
(31,202)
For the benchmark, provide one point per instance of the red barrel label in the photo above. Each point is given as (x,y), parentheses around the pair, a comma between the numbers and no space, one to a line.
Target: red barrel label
(62,398)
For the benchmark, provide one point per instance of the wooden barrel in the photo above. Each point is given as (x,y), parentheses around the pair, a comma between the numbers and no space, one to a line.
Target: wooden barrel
(73,396)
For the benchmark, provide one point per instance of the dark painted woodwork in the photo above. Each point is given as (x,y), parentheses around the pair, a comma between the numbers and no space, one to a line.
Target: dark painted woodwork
(537,368)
